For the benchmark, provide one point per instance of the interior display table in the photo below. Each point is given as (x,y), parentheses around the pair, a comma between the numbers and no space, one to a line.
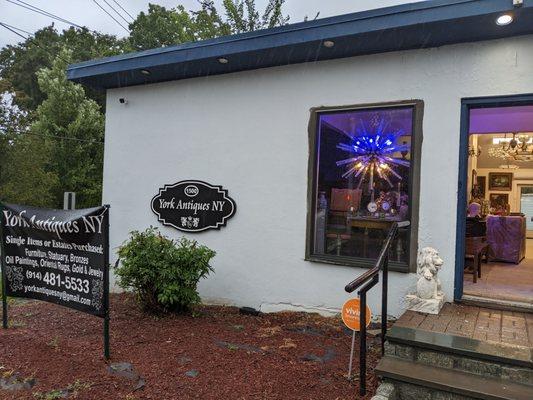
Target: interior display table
(377,223)
(372,222)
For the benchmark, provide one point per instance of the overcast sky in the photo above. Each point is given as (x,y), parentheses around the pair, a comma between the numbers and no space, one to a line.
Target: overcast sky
(87,13)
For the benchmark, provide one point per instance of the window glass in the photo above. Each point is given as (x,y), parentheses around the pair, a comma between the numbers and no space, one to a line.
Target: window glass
(362,182)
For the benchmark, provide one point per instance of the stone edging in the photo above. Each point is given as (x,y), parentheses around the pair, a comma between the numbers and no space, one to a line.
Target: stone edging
(385,391)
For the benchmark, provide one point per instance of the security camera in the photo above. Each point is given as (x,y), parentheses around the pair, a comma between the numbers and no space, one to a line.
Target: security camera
(122,100)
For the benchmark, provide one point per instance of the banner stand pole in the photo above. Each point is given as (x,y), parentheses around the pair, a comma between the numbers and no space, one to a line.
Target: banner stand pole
(4,297)
(4,306)
(106,336)
(3,266)
(351,357)
(106,286)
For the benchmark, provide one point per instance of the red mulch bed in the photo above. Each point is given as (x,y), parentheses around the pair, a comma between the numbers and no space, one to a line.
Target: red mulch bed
(273,356)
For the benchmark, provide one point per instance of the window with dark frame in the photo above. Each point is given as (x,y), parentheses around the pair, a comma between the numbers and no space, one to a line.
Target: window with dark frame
(364,176)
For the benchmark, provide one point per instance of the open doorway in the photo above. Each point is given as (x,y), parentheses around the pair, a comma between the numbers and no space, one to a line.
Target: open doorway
(498,235)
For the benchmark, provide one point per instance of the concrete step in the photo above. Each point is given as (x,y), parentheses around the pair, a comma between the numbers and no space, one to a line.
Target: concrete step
(509,363)
(497,304)
(417,381)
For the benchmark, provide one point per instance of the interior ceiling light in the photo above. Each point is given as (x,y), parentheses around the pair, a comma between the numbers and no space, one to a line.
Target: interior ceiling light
(504,19)
(509,166)
(508,140)
(329,44)
(371,149)
(517,149)
(223,60)
(145,72)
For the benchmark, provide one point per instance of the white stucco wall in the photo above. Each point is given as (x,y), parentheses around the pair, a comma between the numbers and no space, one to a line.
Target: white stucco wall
(248,132)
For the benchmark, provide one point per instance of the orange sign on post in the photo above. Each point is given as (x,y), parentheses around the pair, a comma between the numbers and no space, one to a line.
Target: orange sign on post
(351,315)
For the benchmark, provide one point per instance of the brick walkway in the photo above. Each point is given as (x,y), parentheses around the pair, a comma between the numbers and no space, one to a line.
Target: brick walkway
(476,323)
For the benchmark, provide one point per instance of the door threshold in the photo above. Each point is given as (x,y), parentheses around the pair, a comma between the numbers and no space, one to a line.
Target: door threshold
(497,304)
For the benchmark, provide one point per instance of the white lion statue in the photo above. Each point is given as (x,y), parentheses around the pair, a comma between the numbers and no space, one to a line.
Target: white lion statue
(428,265)
(428,297)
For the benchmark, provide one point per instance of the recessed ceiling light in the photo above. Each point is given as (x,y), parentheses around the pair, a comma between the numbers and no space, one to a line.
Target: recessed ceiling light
(508,166)
(504,19)
(223,60)
(329,44)
(145,72)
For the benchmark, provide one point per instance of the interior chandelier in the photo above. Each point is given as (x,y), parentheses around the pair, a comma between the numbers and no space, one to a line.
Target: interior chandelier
(518,149)
(372,152)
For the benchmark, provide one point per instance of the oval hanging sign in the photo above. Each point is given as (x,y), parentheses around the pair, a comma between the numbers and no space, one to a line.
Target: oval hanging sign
(193,206)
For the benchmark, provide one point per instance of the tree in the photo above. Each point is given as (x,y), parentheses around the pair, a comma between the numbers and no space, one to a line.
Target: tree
(161,27)
(273,15)
(52,130)
(165,27)
(24,158)
(72,125)
(13,146)
(208,23)
(19,63)
(27,178)
(243,16)
(158,27)
(11,123)
(61,150)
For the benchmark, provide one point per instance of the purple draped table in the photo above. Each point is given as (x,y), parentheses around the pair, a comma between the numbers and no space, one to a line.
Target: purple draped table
(507,237)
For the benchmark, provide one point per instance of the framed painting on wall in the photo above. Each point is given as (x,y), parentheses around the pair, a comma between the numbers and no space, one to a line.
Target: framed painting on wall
(501,181)
(499,200)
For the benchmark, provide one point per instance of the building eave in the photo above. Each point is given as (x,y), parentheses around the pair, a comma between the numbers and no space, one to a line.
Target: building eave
(409,26)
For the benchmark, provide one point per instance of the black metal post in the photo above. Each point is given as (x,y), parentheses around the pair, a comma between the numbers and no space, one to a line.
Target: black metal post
(4,297)
(3,266)
(362,344)
(384,298)
(362,332)
(368,280)
(106,285)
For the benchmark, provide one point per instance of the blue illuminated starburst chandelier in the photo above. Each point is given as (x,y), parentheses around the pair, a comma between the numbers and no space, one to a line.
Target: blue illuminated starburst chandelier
(372,152)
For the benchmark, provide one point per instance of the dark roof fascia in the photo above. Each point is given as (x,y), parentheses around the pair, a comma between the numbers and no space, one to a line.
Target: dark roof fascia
(301,42)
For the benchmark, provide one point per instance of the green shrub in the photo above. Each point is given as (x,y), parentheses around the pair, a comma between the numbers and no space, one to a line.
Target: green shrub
(163,273)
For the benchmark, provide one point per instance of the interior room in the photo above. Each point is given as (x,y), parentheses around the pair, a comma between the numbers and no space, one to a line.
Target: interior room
(499,226)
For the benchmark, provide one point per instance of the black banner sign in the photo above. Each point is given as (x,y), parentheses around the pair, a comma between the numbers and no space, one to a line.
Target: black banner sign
(193,206)
(59,256)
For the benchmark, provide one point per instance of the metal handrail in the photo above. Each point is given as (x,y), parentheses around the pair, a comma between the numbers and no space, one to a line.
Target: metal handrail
(364,283)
